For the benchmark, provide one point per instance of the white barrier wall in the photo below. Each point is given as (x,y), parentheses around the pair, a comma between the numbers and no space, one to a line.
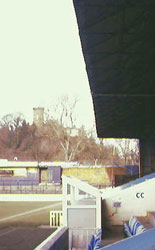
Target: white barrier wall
(136,200)
(57,240)
(30,197)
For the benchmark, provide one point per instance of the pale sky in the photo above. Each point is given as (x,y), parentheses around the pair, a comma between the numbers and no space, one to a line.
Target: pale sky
(41,57)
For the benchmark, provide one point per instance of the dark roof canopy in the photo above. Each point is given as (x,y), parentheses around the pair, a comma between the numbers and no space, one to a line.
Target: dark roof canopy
(118,43)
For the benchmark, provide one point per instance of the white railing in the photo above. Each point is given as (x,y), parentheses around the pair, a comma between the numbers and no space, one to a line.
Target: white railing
(56,218)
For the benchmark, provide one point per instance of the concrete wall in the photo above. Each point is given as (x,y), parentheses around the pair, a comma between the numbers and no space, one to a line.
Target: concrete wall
(30,197)
(135,200)
(58,240)
(81,217)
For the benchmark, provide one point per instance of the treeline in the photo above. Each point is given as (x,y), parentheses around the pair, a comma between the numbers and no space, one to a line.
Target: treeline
(52,141)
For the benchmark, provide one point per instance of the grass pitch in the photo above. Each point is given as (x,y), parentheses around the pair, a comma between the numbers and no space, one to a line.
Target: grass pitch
(34,219)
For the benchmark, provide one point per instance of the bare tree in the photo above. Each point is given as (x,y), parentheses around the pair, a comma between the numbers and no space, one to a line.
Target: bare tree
(128,150)
(63,111)
(11,125)
(12,121)
(16,136)
(62,122)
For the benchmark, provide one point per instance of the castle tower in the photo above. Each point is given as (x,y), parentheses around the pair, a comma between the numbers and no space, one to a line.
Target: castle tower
(38,116)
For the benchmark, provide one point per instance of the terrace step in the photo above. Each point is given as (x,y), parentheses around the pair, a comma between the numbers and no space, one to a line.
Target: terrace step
(112,235)
(151,217)
(144,220)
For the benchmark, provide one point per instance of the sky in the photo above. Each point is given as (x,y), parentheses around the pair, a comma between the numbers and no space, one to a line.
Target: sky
(41,58)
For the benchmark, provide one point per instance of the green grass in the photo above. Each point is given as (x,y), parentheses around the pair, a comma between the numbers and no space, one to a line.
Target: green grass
(33,220)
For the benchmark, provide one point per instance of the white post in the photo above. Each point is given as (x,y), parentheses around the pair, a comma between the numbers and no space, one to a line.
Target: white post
(72,195)
(98,212)
(64,202)
(76,193)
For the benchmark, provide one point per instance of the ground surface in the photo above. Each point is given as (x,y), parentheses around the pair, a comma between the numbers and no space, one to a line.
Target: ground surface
(34,213)
(20,221)
(26,238)
(112,235)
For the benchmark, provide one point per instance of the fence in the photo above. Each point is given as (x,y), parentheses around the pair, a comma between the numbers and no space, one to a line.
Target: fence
(30,189)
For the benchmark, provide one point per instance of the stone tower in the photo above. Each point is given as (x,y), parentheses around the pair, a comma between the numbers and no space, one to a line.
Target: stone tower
(38,116)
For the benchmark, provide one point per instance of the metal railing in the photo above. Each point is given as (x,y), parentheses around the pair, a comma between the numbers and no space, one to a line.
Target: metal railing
(30,189)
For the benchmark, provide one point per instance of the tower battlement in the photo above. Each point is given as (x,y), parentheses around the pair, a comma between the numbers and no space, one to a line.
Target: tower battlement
(38,116)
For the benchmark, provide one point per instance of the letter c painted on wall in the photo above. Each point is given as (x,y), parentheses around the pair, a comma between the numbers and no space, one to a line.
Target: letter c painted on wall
(142,195)
(137,195)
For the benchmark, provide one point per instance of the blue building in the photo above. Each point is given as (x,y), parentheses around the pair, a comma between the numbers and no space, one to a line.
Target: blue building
(29,173)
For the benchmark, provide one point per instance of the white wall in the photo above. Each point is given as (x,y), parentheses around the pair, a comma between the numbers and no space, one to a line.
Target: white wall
(34,197)
(30,197)
(130,204)
(57,240)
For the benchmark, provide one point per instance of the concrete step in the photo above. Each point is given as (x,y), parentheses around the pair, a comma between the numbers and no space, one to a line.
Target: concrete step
(151,217)
(144,221)
(112,235)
